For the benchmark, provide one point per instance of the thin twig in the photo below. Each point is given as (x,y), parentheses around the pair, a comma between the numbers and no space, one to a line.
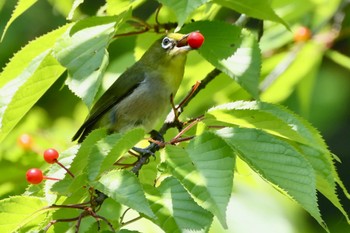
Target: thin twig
(203,83)
(131,221)
(51,223)
(189,95)
(188,127)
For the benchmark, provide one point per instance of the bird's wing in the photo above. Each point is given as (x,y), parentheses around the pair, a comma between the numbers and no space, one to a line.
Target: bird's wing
(121,88)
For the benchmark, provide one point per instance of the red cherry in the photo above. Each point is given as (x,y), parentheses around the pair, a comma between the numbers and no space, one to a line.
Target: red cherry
(302,34)
(51,155)
(25,141)
(34,176)
(195,40)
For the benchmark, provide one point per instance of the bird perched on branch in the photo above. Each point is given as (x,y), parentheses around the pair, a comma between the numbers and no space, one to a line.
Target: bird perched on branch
(141,95)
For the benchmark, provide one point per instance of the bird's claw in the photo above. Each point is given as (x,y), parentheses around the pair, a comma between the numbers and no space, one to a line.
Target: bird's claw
(142,151)
(153,147)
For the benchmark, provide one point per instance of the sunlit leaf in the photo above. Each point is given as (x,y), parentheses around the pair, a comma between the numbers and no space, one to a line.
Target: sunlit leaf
(124,187)
(205,168)
(21,7)
(22,59)
(80,161)
(20,94)
(281,122)
(85,56)
(75,5)
(277,162)
(326,175)
(115,7)
(176,211)
(254,8)
(182,8)
(251,115)
(65,158)
(27,76)
(339,58)
(19,212)
(109,149)
(231,50)
(315,151)
(79,165)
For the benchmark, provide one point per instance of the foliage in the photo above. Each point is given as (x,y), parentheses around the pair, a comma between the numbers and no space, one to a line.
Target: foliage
(188,185)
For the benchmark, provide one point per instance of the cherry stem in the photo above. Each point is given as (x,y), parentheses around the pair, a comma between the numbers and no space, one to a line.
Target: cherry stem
(50,178)
(67,170)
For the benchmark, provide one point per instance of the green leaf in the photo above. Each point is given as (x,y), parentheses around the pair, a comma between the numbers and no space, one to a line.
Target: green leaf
(18,212)
(124,187)
(127,231)
(65,158)
(245,64)
(109,149)
(176,211)
(272,118)
(148,174)
(326,175)
(85,56)
(182,8)
(315,151)
(236,52)
(2,3)
(279,163)
(116,7)
(96,21)
(21,60)
(75,5)
(19,95)
(98,154)
(338,58)
(252,114)
(69,185)
(79,165)
(25,79)
(21,7)
(205,168)
(80,161)
(253,8)
(279,121)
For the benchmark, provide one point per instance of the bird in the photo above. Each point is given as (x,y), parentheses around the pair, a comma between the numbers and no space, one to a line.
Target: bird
(140,96)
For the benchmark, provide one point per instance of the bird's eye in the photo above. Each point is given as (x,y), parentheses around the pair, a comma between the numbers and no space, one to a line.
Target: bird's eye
(166,43)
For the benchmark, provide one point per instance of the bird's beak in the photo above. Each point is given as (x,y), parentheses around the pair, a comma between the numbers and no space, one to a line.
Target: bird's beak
(181,43)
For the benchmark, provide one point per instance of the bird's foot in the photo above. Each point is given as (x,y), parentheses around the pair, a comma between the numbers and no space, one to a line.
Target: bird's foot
(156,136)
(156,142)
(149,150)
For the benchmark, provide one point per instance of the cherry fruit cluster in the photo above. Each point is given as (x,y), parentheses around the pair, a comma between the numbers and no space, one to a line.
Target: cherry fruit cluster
(51,155)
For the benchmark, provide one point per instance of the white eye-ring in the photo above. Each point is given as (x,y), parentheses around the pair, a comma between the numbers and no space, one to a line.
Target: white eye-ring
(167,43)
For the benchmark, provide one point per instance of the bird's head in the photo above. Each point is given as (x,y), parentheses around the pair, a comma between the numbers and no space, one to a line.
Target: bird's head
(175,44)
(170,47)
(167,57)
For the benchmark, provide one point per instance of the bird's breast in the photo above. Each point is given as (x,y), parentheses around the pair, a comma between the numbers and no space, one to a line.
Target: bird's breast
(145,106)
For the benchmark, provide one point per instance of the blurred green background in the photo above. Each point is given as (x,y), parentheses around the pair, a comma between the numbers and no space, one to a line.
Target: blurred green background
(58,114)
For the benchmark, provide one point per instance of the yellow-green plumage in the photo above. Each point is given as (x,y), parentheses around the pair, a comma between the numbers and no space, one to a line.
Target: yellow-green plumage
(141,95)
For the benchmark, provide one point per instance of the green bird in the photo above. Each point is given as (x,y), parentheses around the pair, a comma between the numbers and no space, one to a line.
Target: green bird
(141,95)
